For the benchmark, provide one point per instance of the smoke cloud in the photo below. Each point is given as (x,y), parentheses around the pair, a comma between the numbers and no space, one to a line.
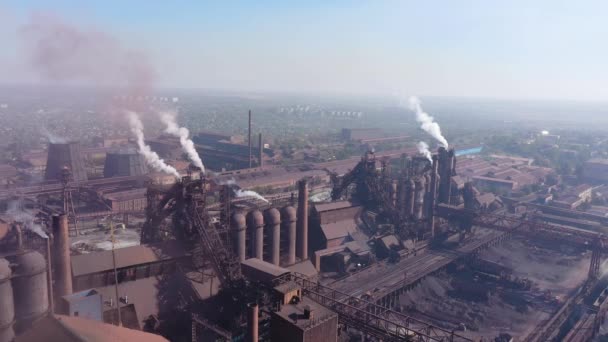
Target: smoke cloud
(152,158)
(428,123)
(18,214)
(62,52)
(170,120)
(423,148)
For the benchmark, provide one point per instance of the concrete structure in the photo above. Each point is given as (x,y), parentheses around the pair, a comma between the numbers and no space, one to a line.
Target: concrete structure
(306,321)
(288,220)
(255,225)
(62,272)
(249,139)
(86,304)
(260,151)
(125,162)
(65,155)
(239,235)
(7,308)
(302,222)
(30,291)
(273,228)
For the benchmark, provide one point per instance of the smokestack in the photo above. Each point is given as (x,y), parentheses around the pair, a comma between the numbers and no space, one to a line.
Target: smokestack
(260,151)
(61,256)
(302,221)
(249,138)
(433,195)
(252,322)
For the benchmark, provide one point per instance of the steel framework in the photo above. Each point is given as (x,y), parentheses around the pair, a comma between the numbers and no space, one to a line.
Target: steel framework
(370,318)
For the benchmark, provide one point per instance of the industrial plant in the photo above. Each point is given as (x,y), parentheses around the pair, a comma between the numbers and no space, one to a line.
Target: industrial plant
(392,246)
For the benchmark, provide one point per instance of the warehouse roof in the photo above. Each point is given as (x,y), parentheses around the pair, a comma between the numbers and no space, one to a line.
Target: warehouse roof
(321,207)
(126,257)
(67,329)
(339,229)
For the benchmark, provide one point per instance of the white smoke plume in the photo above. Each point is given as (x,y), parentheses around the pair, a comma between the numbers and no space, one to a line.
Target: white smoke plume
(51,137)
(152,158)
(170,120)
(423,148)
(240,192)
(249,193)
(428,124)
(18,214)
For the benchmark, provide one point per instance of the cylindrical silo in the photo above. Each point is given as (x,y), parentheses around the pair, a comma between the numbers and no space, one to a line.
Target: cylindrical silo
(288,217)
(30,289)
(273,224)
(239,228)
(255,224)
(7,308)
(61,248)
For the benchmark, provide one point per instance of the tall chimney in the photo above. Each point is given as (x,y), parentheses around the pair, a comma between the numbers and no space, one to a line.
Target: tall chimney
(433,194)
(302,220)
(61,252)
(249,138)
(260,151)
(252,322)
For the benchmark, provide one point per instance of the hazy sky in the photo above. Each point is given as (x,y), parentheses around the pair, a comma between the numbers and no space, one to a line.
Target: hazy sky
(506,49)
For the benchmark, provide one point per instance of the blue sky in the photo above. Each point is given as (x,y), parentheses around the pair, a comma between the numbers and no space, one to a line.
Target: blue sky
(546,49)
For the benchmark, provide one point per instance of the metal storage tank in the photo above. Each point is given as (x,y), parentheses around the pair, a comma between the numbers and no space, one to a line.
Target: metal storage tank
(30,289)
(239,238)
(289,218)
(124,162)
(65,155)
(255,224)
(273,224)
(7,308)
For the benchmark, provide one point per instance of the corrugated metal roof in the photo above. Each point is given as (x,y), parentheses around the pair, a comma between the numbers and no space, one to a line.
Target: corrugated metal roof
(265,267)
(339,229)
(126,257)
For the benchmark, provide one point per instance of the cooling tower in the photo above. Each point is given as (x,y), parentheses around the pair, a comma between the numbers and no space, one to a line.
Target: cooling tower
(126,162)
(65,155)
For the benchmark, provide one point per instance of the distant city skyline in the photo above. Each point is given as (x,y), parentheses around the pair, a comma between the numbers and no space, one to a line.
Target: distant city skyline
(517,49)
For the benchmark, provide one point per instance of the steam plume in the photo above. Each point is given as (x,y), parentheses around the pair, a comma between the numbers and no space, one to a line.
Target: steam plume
(249,193)
(18,214)
(423,148)
(151,157)
(238,192)
(170,120)
(51,137)
(428,124)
